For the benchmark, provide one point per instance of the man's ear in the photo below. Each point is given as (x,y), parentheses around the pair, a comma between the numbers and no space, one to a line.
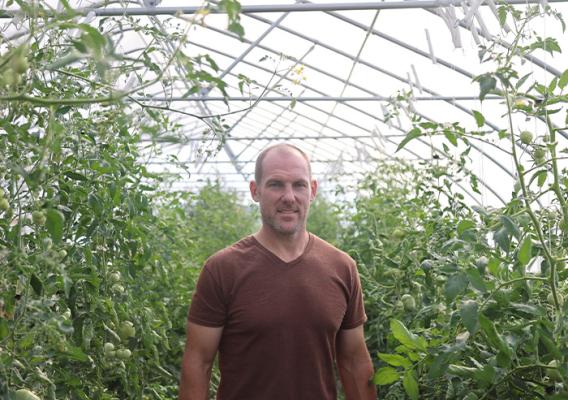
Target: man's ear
(253,191)
(314,187)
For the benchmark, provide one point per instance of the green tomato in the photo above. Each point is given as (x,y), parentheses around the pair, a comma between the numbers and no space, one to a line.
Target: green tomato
(550,299)
(539,154)
(114,277)
(408,302)
(4,204)
(11,77)
(481,264)
(62,253)
(108,347)
(398,233)
(123,354)
(19,64)
(426,265)
(24,394)
(116,288)
(526,137)
(47,243)
(38,218)
(126,330)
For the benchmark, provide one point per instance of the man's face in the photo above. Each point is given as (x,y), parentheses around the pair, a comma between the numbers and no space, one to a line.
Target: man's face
(284,192)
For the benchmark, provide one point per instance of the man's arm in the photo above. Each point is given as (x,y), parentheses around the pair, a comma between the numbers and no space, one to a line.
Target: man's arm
(354,364)
(200,349)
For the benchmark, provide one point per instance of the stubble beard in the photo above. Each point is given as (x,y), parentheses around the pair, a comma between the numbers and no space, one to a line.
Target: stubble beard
(271,222)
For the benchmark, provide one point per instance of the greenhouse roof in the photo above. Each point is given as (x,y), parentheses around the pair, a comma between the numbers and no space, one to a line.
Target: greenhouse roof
(347,82)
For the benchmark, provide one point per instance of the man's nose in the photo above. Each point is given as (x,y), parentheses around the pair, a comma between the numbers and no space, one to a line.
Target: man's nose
(288,194)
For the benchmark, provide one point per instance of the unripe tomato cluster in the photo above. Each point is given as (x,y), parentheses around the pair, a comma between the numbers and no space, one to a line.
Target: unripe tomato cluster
(39,218)
(17,66)
(121,354)
(126,330)
(24,394)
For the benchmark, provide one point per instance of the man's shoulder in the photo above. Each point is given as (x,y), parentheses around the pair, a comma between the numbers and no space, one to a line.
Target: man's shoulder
(232,252)
(328,250)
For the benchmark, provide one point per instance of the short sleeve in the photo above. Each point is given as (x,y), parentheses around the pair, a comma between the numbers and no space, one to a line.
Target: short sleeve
(208,305)
(355,314)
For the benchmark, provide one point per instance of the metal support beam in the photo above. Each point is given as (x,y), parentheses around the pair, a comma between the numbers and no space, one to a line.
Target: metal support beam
(268,8)
(300,99)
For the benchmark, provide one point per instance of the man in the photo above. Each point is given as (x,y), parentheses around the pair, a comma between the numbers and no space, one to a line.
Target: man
(281,306)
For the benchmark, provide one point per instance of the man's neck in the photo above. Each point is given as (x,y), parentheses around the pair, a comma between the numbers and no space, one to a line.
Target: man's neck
(286,247)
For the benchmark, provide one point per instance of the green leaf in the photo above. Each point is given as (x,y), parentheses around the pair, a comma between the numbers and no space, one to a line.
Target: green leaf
(4,329)
(479,118)
(439,366)
(525,251)
(396,360)
(54,223)
(386,376)
(563,81)
(550,345)
(464,226)
(521,81)
(511,226)
(413,134)
(76,176)
(493,266)
(468,312)
(75,353)
(487,83)
(502,13)
(476,279)
(36,284)
(404,336)
(493,337)
(549,45)
(486,375)
(410,384)
(540,176)
(451,137)
(502,238)
(528,309)
(455,285)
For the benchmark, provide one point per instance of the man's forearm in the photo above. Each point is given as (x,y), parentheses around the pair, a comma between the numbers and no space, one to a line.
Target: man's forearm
(194,382)
(357,379)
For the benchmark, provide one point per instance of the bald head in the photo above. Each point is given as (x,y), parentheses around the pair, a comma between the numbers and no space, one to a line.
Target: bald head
(278,147)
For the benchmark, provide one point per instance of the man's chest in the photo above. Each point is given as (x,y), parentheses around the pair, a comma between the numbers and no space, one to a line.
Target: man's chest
(294,300)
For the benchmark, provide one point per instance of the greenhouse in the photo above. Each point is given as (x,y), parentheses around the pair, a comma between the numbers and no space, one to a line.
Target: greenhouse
(437,132)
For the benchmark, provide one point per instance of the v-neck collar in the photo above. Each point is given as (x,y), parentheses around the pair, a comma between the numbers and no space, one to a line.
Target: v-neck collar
(280,261)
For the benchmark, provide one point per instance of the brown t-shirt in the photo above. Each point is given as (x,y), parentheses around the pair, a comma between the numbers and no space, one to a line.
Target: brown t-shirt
(280,318)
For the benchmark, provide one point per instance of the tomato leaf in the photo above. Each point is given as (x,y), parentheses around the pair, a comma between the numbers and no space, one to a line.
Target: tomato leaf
(36,284)
(54,224)
(386,376)
(468,312)
(476,279)
(479,118)
(502,238)
(404,336)
(439,366)
(455,285)
(413,134)
(410,384)
(525,251)
(563,81)
(396,360)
